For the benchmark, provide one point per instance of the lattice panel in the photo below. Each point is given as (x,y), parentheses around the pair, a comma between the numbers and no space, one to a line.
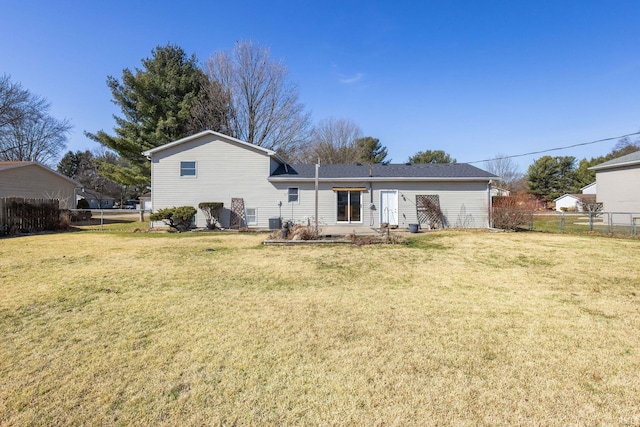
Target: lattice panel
(428,210)
(238,218)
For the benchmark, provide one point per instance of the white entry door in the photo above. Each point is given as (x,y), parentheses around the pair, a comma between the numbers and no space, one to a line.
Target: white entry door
(389,207)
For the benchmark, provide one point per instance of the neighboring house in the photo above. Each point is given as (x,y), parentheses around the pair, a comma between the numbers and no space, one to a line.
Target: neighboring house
(96,200)
(576,202)
(257,186)
(499,192)
(573,202)
(33,180)
(589,189)
(618,183)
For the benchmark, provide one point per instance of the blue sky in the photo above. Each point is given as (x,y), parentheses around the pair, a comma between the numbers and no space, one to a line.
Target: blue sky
(473,78)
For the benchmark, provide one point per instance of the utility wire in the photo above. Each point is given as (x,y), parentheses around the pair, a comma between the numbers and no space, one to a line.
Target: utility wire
(556,149)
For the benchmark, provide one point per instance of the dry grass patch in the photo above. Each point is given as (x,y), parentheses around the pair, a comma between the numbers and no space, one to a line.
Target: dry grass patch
(456,328)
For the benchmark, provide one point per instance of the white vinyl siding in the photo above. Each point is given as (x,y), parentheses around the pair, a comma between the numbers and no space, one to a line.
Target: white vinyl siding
(225,170)
(618,189)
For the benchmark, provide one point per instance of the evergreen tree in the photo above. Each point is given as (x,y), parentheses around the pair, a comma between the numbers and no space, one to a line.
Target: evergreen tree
(371,151)
(551,177)
(432,156)
(157,107)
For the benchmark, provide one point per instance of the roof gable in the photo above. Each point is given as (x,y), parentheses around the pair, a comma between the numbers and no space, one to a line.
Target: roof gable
(4,166)
(219,135)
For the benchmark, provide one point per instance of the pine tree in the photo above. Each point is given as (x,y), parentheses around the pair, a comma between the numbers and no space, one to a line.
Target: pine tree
(157,107)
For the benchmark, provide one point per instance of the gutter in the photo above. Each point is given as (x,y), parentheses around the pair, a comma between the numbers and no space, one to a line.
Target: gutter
(378,179)
(615,165)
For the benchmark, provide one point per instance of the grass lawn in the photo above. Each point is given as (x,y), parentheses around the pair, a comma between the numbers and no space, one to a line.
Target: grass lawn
(457,328)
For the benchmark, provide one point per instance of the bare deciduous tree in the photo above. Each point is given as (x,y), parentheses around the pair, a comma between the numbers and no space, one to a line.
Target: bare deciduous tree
(27,131)
(333,141)
(17,103)
(211,111)
(40,138)
(263,105)
(506,170)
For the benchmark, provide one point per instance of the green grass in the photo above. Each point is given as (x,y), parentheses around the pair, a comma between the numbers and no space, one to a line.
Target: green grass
(574,224)
(454,328)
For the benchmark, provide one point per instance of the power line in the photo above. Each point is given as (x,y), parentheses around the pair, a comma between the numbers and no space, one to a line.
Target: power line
(556,149)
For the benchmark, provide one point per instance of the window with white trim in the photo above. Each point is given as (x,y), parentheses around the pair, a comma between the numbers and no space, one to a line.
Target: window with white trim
(293,195)
(349,204)
(188,169)
(252,216)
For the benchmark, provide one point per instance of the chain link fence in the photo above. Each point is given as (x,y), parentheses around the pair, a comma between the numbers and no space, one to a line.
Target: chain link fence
(611,223)
(97,219)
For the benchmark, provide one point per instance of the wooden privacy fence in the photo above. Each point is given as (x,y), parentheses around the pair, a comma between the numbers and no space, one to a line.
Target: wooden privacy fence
(18,215)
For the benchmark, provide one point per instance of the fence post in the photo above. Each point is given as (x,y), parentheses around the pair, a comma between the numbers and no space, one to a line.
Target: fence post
(562,222)
(610,223)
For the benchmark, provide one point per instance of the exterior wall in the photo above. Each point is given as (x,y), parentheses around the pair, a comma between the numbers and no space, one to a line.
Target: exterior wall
(590,189)
(618,189)
(33,181)
(225,170)
(463,204)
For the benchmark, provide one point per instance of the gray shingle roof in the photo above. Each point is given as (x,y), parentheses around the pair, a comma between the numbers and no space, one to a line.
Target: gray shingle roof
(380,171)
(629,159)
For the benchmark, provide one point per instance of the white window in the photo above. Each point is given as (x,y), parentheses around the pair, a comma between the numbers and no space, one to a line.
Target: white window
(292,195)
(252,216)
(188,169)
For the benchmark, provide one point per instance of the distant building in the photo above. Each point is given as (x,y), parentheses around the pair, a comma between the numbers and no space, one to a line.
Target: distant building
(618,183)
(33,180)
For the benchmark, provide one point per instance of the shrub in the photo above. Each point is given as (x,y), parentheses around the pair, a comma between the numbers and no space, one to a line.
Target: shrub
(83,204)
(84,215)
(211,212)
(512,212)
(177,218)
(65,220)
(591,205)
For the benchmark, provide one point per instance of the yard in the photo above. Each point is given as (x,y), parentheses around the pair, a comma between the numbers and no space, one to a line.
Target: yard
(455,328)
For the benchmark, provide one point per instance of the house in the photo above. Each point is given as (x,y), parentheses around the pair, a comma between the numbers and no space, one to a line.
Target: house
(257,187)
(577,202)
(573,202)
(499,192)
(96,200)
(34,180)
(590,189)
(618,182)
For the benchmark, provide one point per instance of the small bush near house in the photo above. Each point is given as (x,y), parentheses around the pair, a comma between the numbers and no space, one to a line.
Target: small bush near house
(211,212)
(512,212)
(177,218)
